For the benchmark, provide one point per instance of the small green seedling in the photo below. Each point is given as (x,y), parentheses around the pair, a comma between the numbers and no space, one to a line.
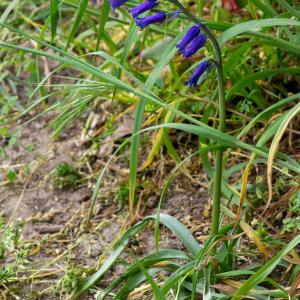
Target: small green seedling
(64,175)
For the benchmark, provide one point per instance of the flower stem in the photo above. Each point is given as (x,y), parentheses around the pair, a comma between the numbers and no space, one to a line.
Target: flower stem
(217,180)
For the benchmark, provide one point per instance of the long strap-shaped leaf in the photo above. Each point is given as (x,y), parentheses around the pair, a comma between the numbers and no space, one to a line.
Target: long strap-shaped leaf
(75,62)
(274,146)
(102,21)
(157,293)
(226,141)
(135,281)
(8,10)
(82,65)
(203,131)
(54,17)
(264,138)
(244,82)
(139,114)
(173,224)
(268,111)
(148,261)
(289,8)
(290,47)
(80,12)
(264,271)
(253,26)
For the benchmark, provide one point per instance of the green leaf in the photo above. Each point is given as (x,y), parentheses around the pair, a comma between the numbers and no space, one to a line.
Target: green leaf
(268,111)
(102,21)
(174,225)
(246,80)
(132,36)
(79,16)
(264,271)
(118,249)
(163,195)
(158,294)
(11,175)
(254,25)
(181,232)
(148,261)
(139,115)
(134,281)
(265,7)
(177,275)
(54,17)
(8,10)
(224,139)
(204,132)
(289,8)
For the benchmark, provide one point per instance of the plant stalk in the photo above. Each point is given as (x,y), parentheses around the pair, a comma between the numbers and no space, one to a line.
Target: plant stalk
(217,180)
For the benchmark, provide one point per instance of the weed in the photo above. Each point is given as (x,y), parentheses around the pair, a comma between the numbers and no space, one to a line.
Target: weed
(7,240)
(110,127)
(72,279)
(123,193)
(11,175)
(64,175)
(263,232)
(291,224)
(6,274)
(12,249)
(294,204)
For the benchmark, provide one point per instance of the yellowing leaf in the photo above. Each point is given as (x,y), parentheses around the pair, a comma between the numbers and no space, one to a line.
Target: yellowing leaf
(274,146)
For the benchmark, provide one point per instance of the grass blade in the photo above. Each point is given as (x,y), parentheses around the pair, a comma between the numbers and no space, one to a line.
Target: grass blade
(54,17)
(118,249)
(102,21)
(135,281)
(268,111)
(289,8)
(158,294)
(254,25)
(173,224)
(80,12)
(132,271)
(251,233)
(256,76)
(8,10)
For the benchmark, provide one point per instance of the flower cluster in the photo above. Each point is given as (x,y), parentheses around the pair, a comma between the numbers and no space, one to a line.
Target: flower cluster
(193,40)
(148,5)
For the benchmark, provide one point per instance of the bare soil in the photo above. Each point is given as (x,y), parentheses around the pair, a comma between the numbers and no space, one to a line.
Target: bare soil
(53,219)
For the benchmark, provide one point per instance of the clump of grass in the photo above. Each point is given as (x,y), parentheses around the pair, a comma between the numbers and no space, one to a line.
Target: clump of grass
(10,237)
(13,251)
(65,175)
(72,279)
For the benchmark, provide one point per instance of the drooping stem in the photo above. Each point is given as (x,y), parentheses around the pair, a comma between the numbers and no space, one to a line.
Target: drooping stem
(217,180)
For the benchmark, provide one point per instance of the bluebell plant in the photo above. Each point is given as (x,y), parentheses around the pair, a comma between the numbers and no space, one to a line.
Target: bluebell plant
(195,38)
